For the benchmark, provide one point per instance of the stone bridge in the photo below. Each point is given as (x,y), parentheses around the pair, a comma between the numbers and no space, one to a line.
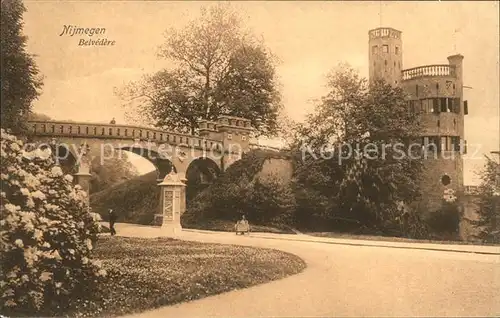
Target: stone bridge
(75,144)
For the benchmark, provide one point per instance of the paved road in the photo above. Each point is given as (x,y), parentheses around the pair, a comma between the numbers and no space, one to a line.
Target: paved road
(349,280)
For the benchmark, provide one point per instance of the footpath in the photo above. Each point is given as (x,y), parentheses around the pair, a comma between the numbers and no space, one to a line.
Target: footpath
(350,278)
(154,231)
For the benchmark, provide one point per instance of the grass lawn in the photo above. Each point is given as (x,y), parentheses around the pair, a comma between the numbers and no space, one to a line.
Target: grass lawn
(149,273)
(391,238)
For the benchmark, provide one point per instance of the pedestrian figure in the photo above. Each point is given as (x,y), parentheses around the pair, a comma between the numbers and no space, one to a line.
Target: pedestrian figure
(112,220)
(113,121)
(242,226)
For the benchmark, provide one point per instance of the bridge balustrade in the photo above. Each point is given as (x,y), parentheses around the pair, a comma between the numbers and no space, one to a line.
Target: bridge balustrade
(119,132)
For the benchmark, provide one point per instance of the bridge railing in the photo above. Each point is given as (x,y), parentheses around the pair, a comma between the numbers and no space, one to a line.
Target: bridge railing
(264,147)
(124,132)
(428,70)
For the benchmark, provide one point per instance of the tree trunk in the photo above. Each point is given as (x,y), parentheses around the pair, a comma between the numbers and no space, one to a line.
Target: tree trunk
(207,89)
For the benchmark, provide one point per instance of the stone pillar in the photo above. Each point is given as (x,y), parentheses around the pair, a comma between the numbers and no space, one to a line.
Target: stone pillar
(159,209)
(83,175)
(183,194)
(172,202)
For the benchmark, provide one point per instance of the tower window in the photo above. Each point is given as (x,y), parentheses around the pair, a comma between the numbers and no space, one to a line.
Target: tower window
(450,105)
(437,86)
(438,123)
(425,105)
(385,62)
(416,90)
(396,50)
(385,48)
(455,143)
(399,64)
(445,180)
(374,49)
(443,143)
(456,105)
(444,107)
(394,64)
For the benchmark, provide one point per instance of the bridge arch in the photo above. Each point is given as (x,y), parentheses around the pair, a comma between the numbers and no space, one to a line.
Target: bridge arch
(200,173)
(163,165)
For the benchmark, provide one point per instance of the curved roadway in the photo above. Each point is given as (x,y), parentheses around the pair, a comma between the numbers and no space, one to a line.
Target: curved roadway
(351,278)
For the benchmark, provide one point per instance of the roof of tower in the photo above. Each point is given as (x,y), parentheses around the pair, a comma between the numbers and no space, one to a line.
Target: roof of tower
(384,28)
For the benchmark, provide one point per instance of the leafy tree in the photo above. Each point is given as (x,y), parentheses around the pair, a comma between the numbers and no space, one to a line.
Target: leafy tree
(353,152)
(219,70)
(19,80)
(489,203)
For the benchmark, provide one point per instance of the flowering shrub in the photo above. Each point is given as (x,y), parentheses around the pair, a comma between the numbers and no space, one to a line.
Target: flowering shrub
(46,237)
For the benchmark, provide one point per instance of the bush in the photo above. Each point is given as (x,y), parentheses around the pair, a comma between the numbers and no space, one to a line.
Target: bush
(446,220)
(271,202)
(47,235)
(489,204)
(240,191)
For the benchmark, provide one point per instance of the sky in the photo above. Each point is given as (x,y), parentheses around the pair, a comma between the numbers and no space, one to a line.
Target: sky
(309,38)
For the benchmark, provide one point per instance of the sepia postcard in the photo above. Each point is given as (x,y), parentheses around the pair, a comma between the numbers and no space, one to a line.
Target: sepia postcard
(250,158)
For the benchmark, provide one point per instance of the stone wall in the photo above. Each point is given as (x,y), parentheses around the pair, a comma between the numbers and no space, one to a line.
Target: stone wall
(431,184)
(281,168)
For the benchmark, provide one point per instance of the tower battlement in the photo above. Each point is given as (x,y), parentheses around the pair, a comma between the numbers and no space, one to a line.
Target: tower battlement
(385,33)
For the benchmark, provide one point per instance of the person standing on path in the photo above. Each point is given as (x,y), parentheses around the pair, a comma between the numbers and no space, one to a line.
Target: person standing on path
(112,220)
